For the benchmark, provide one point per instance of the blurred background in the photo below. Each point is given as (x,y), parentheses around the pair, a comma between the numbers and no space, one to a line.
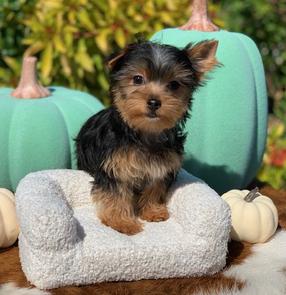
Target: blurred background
(72,38)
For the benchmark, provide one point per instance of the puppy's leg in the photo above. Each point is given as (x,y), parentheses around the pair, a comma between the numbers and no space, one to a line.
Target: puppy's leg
(152,203)
(117,210)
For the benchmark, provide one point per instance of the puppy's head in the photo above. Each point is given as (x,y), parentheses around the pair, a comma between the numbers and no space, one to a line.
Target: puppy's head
(152,84)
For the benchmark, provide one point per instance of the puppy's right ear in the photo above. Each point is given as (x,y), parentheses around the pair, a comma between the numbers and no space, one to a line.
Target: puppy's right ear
(114,59)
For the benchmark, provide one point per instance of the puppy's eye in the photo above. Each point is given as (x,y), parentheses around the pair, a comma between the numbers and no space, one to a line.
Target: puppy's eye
(138,80)
(173,85)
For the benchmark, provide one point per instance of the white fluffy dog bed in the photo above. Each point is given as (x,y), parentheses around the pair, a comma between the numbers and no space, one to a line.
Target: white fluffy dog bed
(62,242)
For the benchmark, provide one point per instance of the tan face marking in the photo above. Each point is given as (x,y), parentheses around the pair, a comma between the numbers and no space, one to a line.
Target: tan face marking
(134,109)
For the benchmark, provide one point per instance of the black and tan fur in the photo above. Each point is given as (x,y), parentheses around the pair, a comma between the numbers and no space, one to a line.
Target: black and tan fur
(134,148)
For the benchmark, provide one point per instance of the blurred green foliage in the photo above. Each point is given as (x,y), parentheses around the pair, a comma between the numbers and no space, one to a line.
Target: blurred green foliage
(72,38)
(12,33)
(273,170)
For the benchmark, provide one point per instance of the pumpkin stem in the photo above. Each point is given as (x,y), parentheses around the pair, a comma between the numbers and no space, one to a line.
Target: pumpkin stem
(199,19)
(252,195)
(29,87)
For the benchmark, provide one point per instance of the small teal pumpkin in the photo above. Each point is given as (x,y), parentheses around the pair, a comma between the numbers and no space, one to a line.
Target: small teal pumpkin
(38,133)
(228,125)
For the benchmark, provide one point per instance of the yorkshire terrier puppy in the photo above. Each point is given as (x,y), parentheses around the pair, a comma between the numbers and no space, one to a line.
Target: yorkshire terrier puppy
(134,148)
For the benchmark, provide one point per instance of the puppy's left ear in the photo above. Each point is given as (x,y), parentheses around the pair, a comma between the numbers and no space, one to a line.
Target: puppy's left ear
(202,56)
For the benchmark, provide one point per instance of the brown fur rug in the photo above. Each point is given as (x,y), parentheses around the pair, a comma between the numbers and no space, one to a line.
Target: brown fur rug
(251,269)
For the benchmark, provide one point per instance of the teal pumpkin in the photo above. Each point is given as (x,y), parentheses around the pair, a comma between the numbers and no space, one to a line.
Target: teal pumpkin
(37,134)
(228,124)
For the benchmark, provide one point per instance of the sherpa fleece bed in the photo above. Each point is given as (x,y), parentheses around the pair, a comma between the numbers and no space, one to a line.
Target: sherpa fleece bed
(62,242)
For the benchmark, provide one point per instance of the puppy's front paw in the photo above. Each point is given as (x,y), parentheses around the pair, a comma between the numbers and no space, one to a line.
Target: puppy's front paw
(154,213)
(128,227)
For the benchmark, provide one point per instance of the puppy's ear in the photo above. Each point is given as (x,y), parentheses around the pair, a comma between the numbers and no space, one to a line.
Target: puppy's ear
(202,56)
(114,59)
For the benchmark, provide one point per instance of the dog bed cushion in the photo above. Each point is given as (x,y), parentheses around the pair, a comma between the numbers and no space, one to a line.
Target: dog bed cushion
(62,242)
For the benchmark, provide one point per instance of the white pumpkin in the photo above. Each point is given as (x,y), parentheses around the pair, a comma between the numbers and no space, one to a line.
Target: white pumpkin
(9,228)
(254,216)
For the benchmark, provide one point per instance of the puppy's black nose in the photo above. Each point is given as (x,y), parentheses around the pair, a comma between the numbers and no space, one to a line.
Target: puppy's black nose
(153,104)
